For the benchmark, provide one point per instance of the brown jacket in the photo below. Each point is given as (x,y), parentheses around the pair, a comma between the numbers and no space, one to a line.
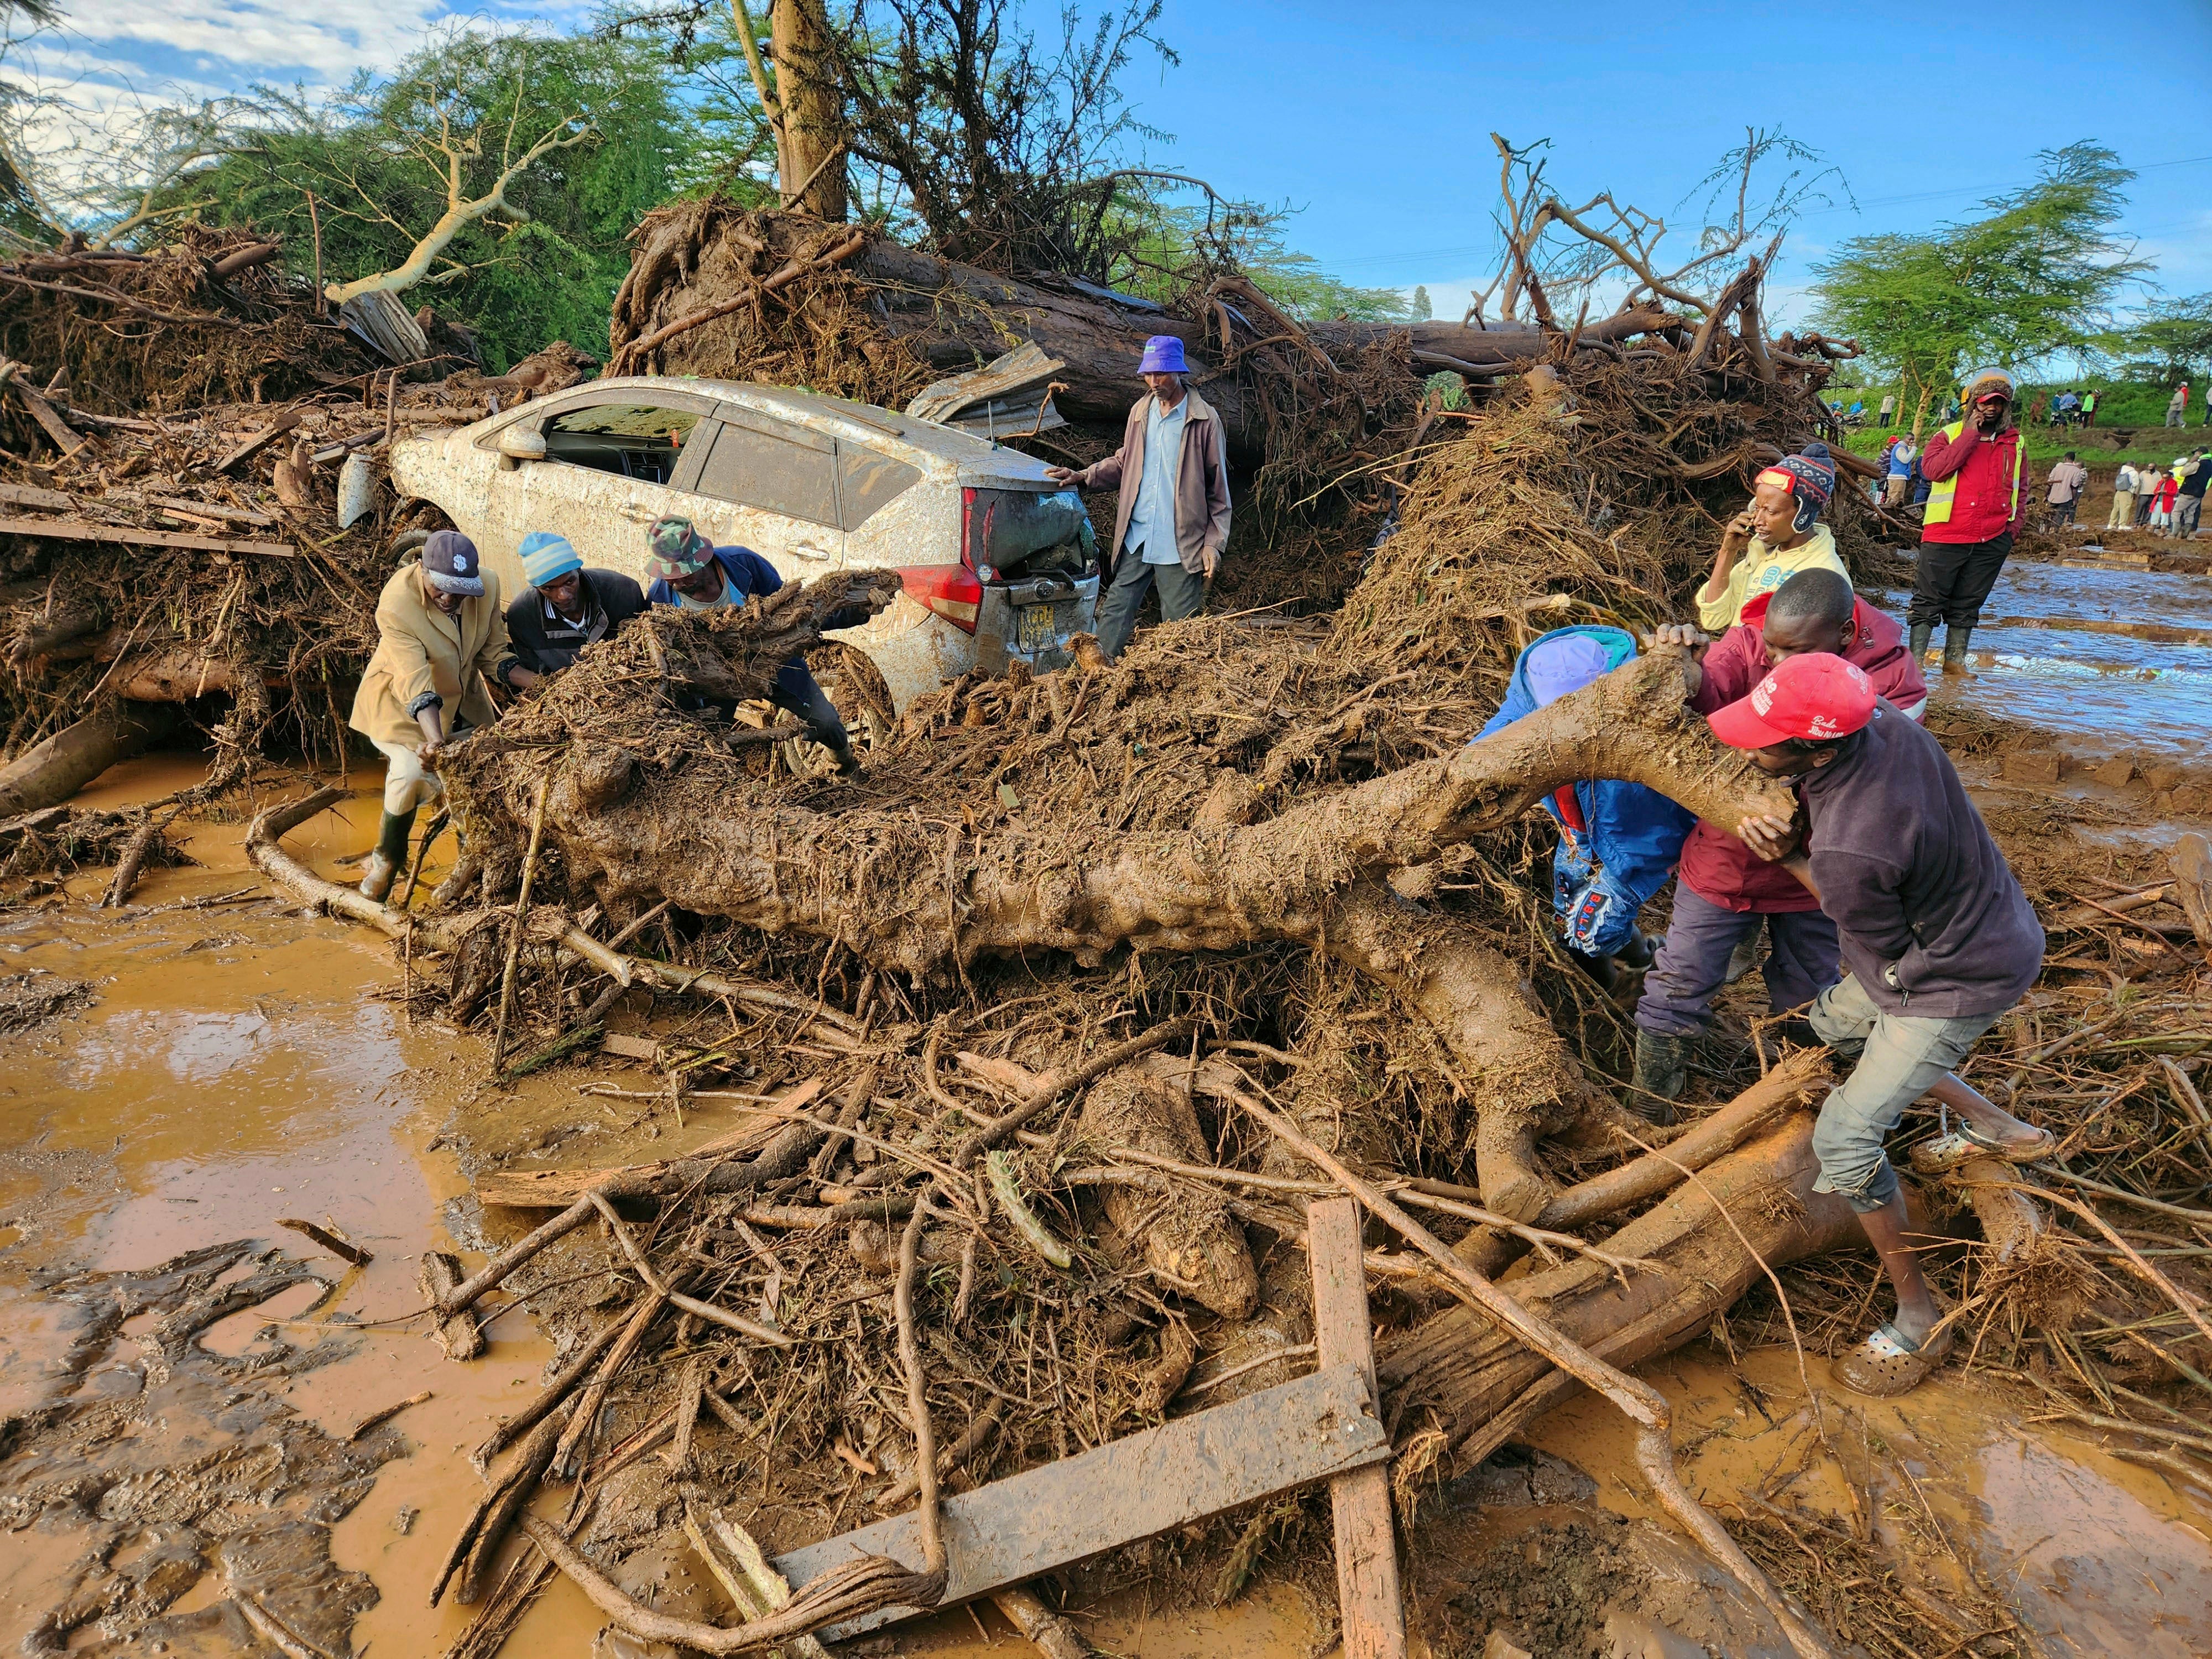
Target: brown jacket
(1201,492)
(420,649)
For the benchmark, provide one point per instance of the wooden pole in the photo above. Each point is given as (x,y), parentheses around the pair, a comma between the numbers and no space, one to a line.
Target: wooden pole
(315,219)
(1370,1601)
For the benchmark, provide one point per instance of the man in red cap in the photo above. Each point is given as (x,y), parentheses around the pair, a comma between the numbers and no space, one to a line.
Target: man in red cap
(1937,939)
(1726,895)
(1172,519)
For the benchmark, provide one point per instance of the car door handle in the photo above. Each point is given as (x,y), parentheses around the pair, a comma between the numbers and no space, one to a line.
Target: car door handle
(808,550)
(639,513)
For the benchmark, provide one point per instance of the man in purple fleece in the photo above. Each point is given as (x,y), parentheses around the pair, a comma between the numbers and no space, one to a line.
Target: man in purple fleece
(1937,941)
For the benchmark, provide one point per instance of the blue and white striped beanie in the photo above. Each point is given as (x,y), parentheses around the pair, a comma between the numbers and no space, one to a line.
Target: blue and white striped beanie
(547,557)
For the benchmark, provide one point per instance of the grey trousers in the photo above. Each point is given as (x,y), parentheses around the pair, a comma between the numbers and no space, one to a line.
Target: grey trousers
(1182,594)
(1896,1059)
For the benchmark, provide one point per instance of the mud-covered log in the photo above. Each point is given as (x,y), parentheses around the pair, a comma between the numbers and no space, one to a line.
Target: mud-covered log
(919,899)
(1190,1237)
(1469,1369)
(54,771)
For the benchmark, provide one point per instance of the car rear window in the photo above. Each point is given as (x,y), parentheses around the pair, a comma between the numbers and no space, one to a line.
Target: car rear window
(1006,527)
(754,467)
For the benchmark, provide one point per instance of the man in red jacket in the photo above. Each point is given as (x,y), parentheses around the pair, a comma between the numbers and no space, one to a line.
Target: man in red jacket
(1726,894)
(1973,465)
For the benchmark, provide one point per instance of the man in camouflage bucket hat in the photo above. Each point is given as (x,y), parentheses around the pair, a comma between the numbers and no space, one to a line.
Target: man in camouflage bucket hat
(691,574)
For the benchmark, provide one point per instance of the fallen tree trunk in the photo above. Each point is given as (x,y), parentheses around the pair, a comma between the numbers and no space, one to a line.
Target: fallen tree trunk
(948,317)
(920,900)
(1470,1369)
(54,771)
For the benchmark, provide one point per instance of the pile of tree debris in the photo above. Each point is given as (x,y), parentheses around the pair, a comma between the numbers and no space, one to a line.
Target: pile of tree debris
(1044,1027)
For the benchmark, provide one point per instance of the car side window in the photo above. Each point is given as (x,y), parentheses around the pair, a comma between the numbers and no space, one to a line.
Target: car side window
(754,465)
(635,440)
(867,483)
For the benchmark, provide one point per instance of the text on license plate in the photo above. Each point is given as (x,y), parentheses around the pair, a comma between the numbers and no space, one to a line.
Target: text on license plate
(1036,627)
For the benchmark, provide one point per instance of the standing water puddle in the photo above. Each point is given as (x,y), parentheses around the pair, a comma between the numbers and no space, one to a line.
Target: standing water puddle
(2121,657)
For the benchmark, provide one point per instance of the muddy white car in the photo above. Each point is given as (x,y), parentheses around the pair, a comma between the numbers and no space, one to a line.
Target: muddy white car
(995,561)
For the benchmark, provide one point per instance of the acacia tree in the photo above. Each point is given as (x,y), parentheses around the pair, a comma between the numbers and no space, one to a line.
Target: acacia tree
(503,170)
(2034,275)
(2169,342)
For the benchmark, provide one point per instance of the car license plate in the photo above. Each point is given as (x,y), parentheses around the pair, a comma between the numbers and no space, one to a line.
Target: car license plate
(1036,628)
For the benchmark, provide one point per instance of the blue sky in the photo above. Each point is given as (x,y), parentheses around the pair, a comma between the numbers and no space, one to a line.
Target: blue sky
(1374,120)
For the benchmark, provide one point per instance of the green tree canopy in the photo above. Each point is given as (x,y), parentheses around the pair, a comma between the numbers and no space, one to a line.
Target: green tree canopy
(2171,341)
(2035,275)
(386,157)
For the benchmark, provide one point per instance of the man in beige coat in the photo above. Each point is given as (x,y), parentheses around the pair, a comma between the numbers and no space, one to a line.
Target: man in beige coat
(441,636)
(1172,521)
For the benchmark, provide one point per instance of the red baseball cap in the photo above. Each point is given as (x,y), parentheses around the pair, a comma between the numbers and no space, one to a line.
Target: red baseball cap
(1813,694)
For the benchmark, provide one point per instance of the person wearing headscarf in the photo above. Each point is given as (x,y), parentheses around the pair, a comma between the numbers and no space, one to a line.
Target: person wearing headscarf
(1618,841)
(441,639)
(1973,470)
(566,607)
(691,573)
(1774,537)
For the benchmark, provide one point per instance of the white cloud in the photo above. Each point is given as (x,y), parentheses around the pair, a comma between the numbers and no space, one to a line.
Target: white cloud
(253,40)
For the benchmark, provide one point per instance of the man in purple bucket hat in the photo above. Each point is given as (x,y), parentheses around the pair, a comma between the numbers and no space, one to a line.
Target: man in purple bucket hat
(1173,519)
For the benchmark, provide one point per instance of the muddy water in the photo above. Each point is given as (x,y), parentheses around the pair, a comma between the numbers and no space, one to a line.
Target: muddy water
(2095,1555)
(2050,651)
(237,1068)
(230,1073)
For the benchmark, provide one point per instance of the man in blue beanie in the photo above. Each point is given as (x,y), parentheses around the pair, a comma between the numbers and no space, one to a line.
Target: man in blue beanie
(1172,519)
(1618,841)
(566,607)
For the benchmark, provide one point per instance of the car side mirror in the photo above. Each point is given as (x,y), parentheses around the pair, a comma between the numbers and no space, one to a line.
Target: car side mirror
(519,444)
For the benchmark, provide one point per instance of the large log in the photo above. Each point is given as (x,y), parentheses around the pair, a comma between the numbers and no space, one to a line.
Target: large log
(956,317)
(1469,1369)
(54,771)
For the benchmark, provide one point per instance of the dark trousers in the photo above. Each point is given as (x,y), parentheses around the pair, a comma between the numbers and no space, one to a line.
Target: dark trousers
(1182,594)
(1804,957)
(1955,578)
(798,691)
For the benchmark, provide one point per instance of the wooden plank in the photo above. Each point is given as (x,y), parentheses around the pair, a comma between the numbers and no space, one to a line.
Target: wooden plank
(285,422)
(1042,1520)
(1369,1599)
(28,495)
(78,530)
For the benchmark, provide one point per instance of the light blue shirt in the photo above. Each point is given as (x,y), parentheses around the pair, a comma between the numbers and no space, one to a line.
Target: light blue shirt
(1153,523)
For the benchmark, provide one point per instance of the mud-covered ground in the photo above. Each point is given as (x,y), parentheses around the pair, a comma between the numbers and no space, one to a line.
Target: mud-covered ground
(180,1375)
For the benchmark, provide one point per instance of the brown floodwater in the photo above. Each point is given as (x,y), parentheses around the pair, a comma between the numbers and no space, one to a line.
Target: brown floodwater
(238,1066)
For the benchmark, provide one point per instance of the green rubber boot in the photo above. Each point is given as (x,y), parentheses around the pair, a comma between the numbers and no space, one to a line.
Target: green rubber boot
(1924,635)
(1663,1072)
(380,868)
(1956,641)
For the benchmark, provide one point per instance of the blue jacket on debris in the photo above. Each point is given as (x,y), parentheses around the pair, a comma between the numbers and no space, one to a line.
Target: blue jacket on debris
(1609,865)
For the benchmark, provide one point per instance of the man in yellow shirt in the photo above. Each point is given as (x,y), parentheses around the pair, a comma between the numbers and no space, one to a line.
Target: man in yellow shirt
(1778,535)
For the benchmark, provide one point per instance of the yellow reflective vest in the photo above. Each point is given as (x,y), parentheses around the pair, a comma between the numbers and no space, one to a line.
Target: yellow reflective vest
(1941,495)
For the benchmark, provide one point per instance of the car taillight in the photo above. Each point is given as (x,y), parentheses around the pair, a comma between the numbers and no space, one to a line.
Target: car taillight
(949,590)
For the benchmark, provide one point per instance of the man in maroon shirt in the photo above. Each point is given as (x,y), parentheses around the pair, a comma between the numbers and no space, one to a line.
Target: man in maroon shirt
(1726,894)
(1973,465)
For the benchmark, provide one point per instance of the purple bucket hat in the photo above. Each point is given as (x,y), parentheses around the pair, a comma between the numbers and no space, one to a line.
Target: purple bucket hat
(1163,355)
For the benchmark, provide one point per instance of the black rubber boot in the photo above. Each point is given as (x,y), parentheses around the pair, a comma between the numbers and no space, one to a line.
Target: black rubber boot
(1663,1072)
(1955,642)
(1604,969)
(1924,635)
(382,866)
